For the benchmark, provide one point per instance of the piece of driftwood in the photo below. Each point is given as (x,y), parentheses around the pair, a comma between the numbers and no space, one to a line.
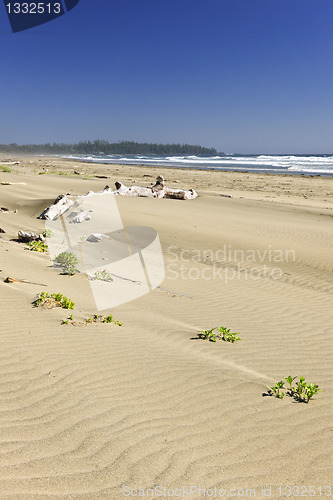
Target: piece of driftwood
(10,163)
(5,183)
(26,237)
(159,190)
(2,230)
(136,191)
(9,279)
(7,211)
(60,205)
(159,185)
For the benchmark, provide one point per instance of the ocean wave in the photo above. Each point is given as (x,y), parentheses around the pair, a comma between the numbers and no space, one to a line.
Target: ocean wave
(297,164)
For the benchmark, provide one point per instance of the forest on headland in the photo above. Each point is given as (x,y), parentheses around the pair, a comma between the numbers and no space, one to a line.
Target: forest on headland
(109,148)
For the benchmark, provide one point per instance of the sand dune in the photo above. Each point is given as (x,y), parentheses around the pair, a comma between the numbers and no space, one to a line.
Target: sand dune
(98,410)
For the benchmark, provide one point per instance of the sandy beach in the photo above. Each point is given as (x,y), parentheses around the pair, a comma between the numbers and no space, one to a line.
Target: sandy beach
(100,411)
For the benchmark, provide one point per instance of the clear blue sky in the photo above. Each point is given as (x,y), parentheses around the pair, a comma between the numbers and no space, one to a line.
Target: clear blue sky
(240,75)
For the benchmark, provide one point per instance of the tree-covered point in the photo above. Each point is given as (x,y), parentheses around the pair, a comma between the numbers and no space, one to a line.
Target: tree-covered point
(108,148)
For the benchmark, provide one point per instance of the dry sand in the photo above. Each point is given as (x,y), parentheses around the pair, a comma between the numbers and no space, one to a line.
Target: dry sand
(86,411)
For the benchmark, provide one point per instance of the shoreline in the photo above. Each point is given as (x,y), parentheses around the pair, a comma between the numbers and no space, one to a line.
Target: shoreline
(316,191)
(180,167)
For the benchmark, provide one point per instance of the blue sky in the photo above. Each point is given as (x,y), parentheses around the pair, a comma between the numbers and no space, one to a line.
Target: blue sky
(248,76)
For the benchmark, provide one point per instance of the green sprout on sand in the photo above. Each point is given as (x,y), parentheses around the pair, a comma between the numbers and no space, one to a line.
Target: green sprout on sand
(207,334)
(277,389)
(37,246)
(290,380)
(51,300)
(103,319)
(302,392)
(227,335)
(223,334)
(5,169)
(102,276)
(95,319)
(68,262)
(47,233)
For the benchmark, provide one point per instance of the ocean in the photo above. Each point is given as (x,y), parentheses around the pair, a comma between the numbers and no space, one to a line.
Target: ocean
(276,164)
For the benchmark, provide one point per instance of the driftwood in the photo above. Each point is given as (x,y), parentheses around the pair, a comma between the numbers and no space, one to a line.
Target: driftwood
(61,204)
(7,211)
(13,183)
(13,280)
(26,237)
(159,190)
(10,163)
(2,230)
(136,191)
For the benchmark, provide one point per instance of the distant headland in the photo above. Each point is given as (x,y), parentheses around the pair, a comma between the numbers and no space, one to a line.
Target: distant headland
(107,148)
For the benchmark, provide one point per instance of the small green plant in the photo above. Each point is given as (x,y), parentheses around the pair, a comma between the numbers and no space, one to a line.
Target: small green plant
(54,300)
(108,319)
(47,233)
(37,246)
(290,380)
(102,276)
(207,334)
(277,389)
(227,335)
(5,169)
(223,334)
(66,321)
(302,392)
(68,262)
(103,319)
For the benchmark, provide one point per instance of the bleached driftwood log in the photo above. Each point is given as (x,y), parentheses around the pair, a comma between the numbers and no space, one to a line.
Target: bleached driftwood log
(135,191)
(159,190)
(26,237)
(61,204)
